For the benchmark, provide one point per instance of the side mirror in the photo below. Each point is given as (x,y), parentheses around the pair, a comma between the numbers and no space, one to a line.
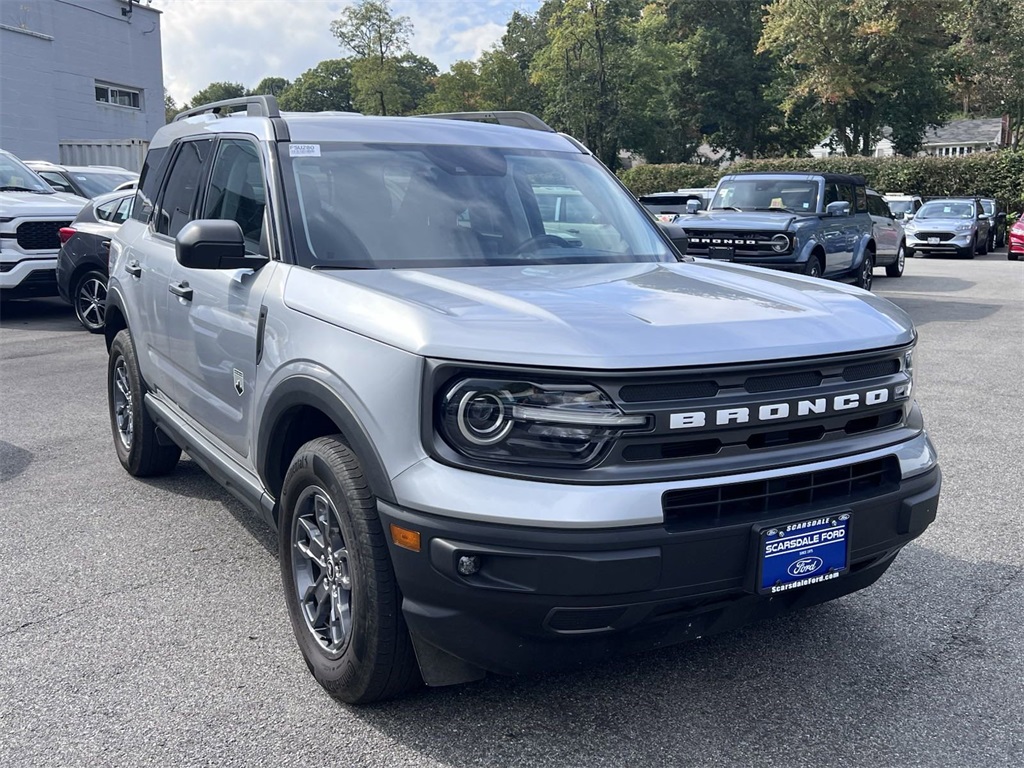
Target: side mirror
(838,208)
(675,233)
(214,244)
(692,206)
(984,216)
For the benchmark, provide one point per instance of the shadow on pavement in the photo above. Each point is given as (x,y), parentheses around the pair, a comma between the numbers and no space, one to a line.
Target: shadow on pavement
(52,314)
(927,309)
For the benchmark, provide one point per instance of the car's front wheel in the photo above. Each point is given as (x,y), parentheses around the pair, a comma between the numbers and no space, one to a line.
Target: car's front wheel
(896,268)
(969,251)
(340,588)
(90,298)
(813,267)
(139,447)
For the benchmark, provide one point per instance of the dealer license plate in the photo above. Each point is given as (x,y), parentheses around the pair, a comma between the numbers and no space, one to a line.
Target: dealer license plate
(808,552)
(933,241)
(721,252)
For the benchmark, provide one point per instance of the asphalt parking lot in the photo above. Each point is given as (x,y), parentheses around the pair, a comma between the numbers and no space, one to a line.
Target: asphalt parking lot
(142,623)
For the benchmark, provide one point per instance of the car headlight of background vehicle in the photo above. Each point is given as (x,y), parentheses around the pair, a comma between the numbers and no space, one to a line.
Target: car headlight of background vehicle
(523,422)
(963,227)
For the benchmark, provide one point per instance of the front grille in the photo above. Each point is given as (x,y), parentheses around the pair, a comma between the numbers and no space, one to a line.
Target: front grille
(40,235)
(871,370)
(743,502)
(40,277)
(652,393)
(758,243)
(943,236)
(785,381)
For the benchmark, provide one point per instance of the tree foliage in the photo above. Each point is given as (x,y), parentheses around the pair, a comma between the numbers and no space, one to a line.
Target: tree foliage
(378,40)
(326,87)
(270,86)
(219,91)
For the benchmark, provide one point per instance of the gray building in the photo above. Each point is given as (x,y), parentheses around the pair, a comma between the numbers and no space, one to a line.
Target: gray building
(81,81)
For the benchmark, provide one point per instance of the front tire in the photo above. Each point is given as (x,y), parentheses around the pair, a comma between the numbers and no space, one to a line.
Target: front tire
(968,252)
(135,435)
(340,588)
(867,271)
(813,267)
(896,268)
(90,297)
(983,247)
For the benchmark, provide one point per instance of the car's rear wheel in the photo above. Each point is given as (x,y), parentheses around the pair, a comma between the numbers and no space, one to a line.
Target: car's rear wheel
(90,298)
(1011,256)
(867,271)
(340,587)
(896,268)
(138,446)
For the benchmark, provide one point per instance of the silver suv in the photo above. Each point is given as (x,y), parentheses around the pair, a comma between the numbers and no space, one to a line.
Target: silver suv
(493,438)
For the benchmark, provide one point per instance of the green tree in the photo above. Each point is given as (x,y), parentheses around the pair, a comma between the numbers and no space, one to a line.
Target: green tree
(416,76)
(170,108)
(582,68)
(325,87)
(218,92)
(865,64)
(270,86)
(457,90)
(506,85)
(378,39)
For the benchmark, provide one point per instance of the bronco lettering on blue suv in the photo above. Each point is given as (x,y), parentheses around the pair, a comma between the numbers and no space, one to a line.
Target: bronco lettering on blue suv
(498,422)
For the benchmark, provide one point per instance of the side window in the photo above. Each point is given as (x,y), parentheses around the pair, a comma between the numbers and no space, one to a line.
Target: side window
(846,195)
(237,190)
(862,199)
(107,211)
(56,181)
(124,211)
(149,183)
(831,193)
(175,208)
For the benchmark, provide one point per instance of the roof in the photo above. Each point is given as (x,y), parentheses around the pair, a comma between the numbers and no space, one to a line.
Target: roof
(963,132)
(838,178)
(314,127)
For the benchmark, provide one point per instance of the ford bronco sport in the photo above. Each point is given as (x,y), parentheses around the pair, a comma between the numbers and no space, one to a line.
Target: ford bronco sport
(491,440)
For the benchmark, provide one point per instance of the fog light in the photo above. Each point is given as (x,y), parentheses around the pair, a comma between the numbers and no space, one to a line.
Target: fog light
(468,565)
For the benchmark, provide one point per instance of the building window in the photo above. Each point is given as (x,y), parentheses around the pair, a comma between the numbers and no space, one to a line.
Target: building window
(119,95)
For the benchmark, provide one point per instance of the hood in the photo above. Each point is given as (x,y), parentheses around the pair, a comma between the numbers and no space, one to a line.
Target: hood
(940,224)
(740,221)
(603,316)
(17,204)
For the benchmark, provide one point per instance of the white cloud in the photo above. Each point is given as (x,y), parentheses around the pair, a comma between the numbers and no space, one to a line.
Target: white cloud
(243,41)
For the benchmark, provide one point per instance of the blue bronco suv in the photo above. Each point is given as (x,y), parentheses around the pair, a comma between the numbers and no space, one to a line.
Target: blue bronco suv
(815,224)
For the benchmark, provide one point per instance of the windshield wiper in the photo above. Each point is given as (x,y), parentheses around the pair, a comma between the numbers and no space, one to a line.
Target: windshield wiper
(775,208)
(16,188)
(728,208)
(341,266)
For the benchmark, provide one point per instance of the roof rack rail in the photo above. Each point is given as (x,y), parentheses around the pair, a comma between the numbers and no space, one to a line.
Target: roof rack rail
(510,118)
(256,106)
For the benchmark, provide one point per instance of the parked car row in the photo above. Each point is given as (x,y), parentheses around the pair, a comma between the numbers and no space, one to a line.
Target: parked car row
(54,238)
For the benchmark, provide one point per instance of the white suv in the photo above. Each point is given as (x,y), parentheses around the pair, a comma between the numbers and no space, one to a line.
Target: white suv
(31,215)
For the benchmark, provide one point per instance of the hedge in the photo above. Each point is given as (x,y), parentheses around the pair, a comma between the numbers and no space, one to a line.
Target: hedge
(986,174)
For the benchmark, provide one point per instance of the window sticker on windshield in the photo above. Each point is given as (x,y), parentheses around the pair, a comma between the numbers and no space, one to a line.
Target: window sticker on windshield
(303,150)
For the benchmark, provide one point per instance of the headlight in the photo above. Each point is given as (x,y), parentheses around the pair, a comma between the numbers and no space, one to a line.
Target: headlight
(903,391)
(523,422)
(963,227)
(910,227)
(780,243)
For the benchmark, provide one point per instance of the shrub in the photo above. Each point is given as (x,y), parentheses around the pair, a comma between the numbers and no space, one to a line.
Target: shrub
(986,174)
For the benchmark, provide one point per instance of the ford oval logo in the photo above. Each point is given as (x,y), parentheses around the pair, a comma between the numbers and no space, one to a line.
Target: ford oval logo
(805,566)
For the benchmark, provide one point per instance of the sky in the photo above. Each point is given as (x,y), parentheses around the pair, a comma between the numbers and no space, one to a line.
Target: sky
(243,41)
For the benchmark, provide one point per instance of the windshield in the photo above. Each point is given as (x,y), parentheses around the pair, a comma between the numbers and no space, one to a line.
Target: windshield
(373,206)
(94,183)
(944,209)
(15,176)
(900,206)
(767,195)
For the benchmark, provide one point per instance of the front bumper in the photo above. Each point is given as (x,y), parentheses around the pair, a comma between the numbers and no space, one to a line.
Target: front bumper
(546,598)
(28,277)
(959,241)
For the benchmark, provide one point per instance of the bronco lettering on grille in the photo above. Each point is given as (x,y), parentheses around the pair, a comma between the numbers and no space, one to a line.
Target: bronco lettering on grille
(777,411)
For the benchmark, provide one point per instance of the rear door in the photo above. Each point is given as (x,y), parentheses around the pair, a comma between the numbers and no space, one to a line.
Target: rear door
(887,234)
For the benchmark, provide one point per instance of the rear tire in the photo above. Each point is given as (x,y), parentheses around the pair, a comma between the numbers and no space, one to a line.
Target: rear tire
(90,299)
(135,435)
(867,271)
(340,588)
(1012,256)
(896,268)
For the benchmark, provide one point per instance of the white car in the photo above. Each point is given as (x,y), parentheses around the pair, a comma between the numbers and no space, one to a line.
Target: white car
(31,215)
(903,206)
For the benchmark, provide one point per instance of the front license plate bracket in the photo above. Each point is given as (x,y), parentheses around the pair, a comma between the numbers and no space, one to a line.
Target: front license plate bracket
(801,553)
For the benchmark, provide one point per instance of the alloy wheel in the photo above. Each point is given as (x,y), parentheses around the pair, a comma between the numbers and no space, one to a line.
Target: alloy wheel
(123,403)
(91,302)
(320,566)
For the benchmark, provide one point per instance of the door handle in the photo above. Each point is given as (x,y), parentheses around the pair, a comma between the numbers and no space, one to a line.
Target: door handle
(181,290)
(133,268)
